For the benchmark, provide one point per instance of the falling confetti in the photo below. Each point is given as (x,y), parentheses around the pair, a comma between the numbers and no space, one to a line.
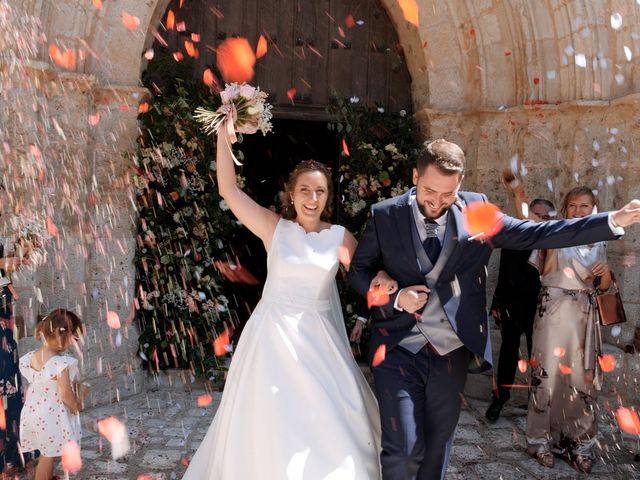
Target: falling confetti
(345,148)
(628,420)
(51,228)
(204,400)
(607,362)
(522,365)
(379,356)
(209,78)
(377,296)
(409,10)
(70,456)
(130,21)
(261,49)
(564,369)
(221,344)
(143,107)
(291,93)
(191,50)
(349,21)
(235,59)
(171,20)
(116,433)
(97,4)
(482,219)
(94,119)
(113,319)
(616,21)
(559,352)
(66,60)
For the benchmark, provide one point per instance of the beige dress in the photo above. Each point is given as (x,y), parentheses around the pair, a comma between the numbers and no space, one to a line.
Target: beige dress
(566,342)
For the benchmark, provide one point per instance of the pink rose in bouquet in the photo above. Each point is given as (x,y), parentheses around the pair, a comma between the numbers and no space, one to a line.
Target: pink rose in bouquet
(244,110)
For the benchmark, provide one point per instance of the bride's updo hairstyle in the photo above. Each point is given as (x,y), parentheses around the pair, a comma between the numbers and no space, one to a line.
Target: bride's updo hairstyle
(288,210)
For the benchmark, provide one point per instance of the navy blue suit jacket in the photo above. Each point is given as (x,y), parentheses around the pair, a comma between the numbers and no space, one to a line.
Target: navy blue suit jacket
(387,244)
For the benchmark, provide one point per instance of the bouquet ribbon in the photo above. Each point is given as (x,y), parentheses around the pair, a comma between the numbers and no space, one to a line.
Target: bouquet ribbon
(231,114)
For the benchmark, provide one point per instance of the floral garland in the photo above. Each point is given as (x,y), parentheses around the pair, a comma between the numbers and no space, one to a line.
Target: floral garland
(379,151)
(180,294)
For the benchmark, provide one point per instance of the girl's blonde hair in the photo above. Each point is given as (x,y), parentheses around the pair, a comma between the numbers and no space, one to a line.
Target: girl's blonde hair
(58,325)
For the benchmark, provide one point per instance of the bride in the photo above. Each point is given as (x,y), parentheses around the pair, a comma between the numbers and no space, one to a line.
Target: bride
(295,404)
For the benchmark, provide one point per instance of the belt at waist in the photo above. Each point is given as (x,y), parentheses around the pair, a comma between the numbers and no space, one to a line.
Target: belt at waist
(570,291)
(297,301)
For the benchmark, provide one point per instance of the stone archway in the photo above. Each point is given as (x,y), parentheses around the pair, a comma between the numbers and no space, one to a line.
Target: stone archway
(548,84)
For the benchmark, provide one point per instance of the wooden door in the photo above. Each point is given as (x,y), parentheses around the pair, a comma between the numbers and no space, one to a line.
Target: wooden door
(320,48)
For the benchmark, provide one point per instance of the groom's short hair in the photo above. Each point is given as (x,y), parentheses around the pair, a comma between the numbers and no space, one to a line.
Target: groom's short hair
(445,156)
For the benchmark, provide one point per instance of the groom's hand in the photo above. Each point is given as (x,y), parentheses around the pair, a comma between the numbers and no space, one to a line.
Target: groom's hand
(413,298)
(628,215)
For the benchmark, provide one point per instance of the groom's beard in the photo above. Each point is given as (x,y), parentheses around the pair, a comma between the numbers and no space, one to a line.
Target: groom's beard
(432,217)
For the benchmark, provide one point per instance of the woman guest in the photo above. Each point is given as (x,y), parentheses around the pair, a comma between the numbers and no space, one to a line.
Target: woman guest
(10,381)
(566,343)
(515,299)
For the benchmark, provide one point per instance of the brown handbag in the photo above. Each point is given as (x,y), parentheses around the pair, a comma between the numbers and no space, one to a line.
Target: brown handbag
(609,303)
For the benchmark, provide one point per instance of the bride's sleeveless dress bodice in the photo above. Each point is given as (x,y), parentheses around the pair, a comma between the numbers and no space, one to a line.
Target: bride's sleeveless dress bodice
(302,266)
(295,404)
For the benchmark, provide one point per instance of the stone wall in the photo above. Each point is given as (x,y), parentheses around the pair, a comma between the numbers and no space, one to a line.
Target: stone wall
(550,84)
(556,148)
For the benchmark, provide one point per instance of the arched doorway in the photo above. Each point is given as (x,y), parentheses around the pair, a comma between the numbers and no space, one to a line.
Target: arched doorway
(317,50)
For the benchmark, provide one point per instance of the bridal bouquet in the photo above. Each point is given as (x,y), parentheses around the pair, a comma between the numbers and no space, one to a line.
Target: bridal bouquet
(244,110)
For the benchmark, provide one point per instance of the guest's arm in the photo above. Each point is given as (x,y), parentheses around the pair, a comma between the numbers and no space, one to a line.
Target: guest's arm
(518,195)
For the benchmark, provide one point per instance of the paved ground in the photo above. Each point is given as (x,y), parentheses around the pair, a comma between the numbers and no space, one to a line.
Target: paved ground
(165,426)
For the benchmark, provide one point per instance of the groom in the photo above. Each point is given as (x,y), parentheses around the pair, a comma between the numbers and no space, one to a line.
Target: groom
(435,327)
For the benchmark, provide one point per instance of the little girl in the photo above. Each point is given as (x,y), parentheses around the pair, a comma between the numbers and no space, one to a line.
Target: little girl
(50,417)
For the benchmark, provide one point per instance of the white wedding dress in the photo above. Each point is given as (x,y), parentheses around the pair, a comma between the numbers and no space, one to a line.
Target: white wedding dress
(295,405)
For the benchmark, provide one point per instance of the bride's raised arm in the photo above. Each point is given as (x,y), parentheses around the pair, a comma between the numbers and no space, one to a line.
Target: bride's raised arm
(259,220)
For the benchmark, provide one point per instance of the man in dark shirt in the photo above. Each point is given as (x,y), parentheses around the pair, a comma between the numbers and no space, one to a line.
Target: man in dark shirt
(514,308)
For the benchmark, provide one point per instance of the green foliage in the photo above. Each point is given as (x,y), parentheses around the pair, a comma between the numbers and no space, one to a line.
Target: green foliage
(183,224)
(382,147)
(182,230)
(382,151)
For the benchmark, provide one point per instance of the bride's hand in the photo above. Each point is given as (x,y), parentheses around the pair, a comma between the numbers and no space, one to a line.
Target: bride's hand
(356,332)
(384,282)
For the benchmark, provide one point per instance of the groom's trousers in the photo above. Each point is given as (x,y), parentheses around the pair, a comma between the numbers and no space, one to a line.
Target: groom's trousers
(420,396)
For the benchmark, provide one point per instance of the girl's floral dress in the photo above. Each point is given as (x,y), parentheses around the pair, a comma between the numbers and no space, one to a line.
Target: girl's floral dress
(46,423)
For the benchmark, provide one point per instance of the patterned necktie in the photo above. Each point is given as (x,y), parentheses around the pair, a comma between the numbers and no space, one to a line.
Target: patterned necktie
(431,244)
